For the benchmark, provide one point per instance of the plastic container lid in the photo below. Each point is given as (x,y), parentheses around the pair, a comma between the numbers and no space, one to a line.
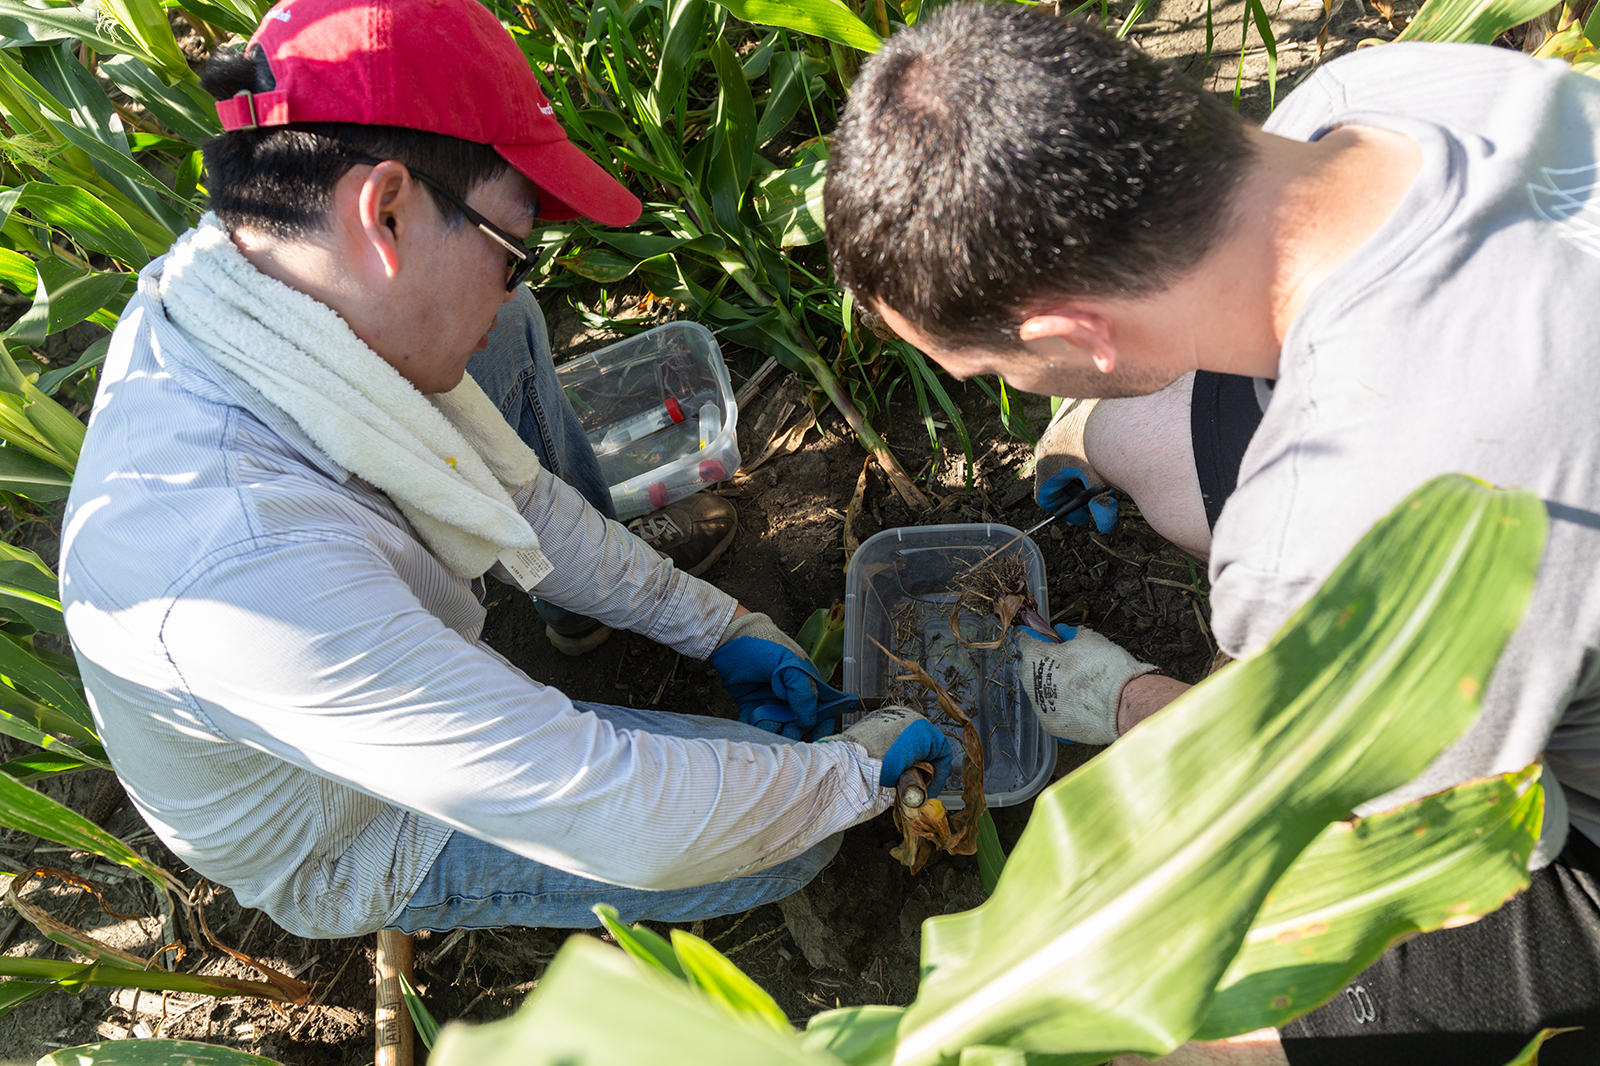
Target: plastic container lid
(899,591)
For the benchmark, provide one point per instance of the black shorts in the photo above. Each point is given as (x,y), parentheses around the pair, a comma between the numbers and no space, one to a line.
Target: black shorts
(1223,416)
(1471,996)
(1475,995)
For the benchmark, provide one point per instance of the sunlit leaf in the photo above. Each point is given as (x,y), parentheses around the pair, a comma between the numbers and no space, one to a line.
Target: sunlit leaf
(31,477)
(152,1053)
(725,983)
(789,204)
(572,1017)
(1138,899)
(23,808)
(830,19)
(1435,863)
(1470,21)
(860,1036)
(641,943)
(597,264)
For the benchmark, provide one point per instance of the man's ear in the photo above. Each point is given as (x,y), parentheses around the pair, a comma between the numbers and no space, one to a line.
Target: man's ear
(385,200)
(1069,332)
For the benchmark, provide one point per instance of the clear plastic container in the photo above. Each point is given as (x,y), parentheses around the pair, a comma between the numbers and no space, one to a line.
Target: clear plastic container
(899,591)
(658,409)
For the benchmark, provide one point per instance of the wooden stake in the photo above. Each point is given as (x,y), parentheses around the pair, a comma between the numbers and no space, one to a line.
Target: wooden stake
(392,1021)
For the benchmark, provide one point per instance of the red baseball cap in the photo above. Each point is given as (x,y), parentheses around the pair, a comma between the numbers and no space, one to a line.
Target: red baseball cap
(443,66)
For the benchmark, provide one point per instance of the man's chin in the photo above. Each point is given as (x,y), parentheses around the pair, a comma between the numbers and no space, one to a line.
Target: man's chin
(1086,385)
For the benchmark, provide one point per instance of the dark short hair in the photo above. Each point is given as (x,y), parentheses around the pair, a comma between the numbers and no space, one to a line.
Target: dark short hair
(997,156)
(280,179)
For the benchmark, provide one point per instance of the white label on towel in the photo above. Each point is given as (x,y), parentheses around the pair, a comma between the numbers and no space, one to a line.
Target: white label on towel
(527,565)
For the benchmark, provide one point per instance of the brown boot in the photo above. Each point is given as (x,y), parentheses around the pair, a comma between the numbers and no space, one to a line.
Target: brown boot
(693,532)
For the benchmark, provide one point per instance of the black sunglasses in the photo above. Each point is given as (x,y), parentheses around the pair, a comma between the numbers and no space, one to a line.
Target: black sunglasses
(525,259)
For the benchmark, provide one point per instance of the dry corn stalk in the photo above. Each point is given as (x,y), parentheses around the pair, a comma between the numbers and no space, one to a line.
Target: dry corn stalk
(929,827)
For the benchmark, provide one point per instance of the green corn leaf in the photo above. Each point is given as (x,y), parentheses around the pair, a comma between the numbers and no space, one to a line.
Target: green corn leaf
(142,189)
(187,110)
(40,764)
(991,855)
(1470,21)
(421,1018)
(146,22)
(85,217)
(29,591)
(713,974)
(1426,865)
(572,1017)
(56,755)
(686,24)
(13,993)
(74,89)
(1529,1055)
(239,18)
(640,245)
(1120,909)
(860,1036)
(822,639)
(152,1053)
(755,64)
(31,477)
(17,271)
(25,711)
(23,808)
(22,23)
(829,19)
(643,944)
(1255,10)
(64,295)
(923,377)
(789,205)
(92,357)
(791,74)
(735,139)
(23,670)
(603,120)
(597,264)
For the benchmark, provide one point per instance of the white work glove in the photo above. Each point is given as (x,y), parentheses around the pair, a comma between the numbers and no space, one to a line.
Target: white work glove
(755,624)
(1075,687)
(900,737)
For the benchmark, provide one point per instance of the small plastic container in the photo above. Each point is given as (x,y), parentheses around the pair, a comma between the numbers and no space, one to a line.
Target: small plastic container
(900,590)
(658,409)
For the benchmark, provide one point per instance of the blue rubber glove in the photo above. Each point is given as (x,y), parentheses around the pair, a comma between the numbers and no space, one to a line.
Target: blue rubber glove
(1064,631)
(900,737)
(774,685)
(1059,489)
(921,741)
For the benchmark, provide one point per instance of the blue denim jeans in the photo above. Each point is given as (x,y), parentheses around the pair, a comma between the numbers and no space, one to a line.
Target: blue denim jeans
(476,885)
(518,375)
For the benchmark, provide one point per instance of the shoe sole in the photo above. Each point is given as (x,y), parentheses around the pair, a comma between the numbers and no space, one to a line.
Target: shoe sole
(580,645)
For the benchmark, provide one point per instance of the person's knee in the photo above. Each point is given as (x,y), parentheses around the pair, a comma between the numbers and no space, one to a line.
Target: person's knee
(1144,447)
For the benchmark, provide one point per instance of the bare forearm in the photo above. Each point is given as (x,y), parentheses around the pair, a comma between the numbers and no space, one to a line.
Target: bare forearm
(1144,696)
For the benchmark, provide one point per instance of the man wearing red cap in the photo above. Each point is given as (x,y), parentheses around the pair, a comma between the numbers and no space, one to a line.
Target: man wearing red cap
(292,685)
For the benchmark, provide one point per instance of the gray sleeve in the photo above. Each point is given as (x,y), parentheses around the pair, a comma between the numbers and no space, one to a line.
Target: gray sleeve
(603,571)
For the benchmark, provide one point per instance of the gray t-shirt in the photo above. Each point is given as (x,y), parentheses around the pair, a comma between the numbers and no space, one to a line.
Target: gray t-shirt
(1460,337)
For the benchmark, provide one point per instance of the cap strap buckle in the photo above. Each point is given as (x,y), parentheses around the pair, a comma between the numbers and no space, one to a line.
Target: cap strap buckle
(250,107)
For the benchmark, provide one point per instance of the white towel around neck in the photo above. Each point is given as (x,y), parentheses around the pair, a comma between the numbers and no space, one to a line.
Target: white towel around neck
(448,461)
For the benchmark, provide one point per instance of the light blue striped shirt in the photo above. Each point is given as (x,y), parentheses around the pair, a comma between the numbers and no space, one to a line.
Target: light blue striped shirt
(294,692)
